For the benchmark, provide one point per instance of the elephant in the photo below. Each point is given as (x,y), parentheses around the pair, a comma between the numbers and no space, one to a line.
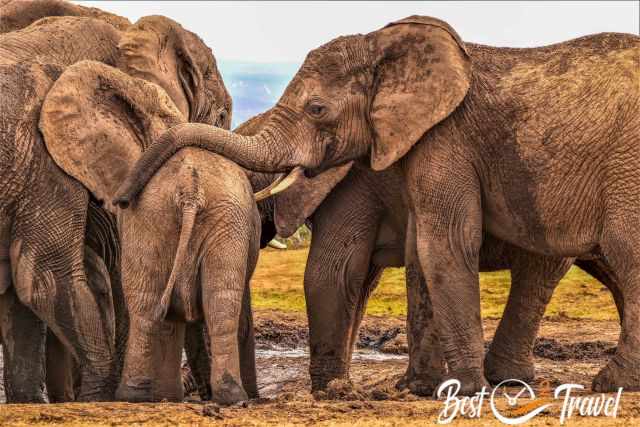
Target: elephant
(195,260)
(536,146)
(358,230)
(46,216)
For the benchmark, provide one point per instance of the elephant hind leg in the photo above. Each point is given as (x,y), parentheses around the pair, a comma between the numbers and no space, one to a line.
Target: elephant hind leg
(623,369)
(223,278)
(23,345)
(533,280)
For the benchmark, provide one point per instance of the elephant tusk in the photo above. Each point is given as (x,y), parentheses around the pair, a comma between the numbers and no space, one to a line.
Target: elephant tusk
(280,184)
(277,244)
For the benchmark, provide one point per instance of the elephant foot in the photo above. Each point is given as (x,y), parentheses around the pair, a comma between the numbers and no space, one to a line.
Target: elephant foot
(471,382)
(228,391)
(135,390)
(498,368)
(617,374)
(25,398)
(420,385)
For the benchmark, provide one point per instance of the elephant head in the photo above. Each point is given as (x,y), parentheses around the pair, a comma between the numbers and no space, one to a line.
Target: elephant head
(371,95)
(159,50)
(300,196)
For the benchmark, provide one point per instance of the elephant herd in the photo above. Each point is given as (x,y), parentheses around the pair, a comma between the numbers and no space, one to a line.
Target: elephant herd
(131,217)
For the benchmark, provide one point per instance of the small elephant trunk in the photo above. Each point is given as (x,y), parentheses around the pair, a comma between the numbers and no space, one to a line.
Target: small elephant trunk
(189,211)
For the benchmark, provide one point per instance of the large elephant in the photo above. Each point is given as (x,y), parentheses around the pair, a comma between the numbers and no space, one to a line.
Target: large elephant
(536,146)
(44,213)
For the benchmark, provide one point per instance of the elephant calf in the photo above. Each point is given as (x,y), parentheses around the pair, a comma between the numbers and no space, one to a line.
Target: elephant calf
(189,245)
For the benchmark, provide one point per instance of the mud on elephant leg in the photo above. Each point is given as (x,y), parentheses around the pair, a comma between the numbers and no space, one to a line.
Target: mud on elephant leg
(427,367)
(534,278)
(23,345)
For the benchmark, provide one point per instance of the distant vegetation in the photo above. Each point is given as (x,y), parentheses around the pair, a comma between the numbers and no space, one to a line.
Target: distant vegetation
(254,87)
(278,285)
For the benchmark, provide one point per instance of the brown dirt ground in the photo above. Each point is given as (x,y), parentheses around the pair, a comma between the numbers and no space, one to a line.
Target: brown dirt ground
(567,351)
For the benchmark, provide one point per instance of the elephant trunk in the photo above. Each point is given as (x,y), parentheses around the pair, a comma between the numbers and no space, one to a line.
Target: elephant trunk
(268,151)
(189,213)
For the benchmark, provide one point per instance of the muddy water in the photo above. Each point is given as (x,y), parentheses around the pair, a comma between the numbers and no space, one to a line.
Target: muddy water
(279,366)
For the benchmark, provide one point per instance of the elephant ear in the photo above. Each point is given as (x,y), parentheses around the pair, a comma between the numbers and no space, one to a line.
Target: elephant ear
(422,72)
(97,120)
(161,51)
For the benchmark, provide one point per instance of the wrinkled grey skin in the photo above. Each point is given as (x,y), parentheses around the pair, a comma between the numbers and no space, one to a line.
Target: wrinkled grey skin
(189,245)
(536,146)
(343,270)
(42,261)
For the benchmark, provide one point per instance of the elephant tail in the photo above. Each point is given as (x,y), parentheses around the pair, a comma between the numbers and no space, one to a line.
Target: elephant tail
(190,203)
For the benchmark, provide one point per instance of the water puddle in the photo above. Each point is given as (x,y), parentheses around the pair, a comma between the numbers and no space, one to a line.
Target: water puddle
(302,352)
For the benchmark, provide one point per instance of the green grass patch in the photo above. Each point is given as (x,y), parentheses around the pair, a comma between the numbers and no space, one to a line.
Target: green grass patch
(278,285)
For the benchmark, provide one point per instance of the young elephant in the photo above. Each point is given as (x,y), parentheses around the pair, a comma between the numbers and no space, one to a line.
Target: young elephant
(189,246)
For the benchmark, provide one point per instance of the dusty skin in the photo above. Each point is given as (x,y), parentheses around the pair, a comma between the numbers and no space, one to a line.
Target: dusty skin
(568,350)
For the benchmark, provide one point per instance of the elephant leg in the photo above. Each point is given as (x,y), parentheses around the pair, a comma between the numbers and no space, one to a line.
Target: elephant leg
(247,346)
(167,361)
(602,272)
(623,369)
(448,216)
(60,381)
(50,278)
(427,366)
(152,361)
(223,275)
(338,280)
(23,345)
(198,357)
(533,279)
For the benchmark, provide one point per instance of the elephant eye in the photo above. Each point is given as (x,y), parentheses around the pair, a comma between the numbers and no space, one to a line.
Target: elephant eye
(316,110)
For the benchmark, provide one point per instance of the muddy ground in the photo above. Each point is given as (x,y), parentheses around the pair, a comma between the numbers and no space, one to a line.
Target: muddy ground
(567,351)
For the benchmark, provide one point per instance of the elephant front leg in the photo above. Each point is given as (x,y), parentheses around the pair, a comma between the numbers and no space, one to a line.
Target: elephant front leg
(448,215)
(533,280)
(23,345)
(427,367)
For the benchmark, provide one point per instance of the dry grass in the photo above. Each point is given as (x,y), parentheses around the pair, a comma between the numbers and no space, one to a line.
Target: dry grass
(277,284)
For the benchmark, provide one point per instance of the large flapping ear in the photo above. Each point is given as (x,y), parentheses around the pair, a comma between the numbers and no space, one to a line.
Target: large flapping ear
(17,14)
(96,121)
(298,202)
(160,50)
(422,72)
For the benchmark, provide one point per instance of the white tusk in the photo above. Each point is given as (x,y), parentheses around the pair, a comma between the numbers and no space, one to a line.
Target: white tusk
(280,184)
(277,244)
